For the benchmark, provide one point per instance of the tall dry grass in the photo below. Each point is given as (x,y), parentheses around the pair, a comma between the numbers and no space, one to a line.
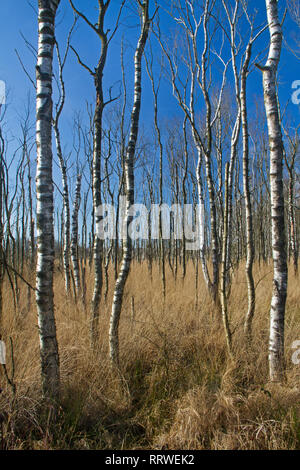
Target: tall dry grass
(179,389)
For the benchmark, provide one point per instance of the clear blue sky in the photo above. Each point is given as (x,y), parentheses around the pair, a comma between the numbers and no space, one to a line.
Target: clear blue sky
(19,17)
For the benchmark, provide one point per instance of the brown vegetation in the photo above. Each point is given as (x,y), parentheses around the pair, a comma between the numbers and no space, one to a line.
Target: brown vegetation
(178,387)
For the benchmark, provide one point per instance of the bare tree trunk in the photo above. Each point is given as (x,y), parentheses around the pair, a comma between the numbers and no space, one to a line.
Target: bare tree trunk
(293,226)
(224,264)
(66,244)
(199,66)
(184,195)
(207,156)
(129,173)
(31,228)
(97,75)
(84,249)
(62,163)
(280,273)
(97,149)
(155,90)
(247,194)
(74,238)
(44,190)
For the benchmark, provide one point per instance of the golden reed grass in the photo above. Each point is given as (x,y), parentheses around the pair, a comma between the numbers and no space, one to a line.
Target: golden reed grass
(179,389)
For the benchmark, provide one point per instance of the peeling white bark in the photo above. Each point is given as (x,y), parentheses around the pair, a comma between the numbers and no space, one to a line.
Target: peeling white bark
(44,191)
(280,273)
(74,238)
(247,194)
(129,175)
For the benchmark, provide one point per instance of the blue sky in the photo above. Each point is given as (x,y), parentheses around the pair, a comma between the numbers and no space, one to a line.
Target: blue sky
(22,19)
(19,17)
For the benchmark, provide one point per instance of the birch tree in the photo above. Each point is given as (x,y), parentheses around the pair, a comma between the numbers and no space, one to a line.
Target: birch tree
(192,18)
(155,91)
(74,237)
(62,162)
(223,297)
(97,75)
(280,273)
(44,190)
(129,177)
(290,163)
(242,103)
(247,194)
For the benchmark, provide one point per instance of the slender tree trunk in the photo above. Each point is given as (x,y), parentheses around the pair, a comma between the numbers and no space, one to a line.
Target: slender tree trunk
(84,249)
(155,90)
(207,159)
(66,243)
(293,226)
(129,174)
(97,149)
(97,75)
(45,212)
(280,273)
(247,194)
(74,238)
(202,222)
(31,231)
(184,195)
(224,265)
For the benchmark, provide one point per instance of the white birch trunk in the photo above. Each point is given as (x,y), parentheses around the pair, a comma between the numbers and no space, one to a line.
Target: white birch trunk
(74,238)
(96,171)
(247,194)
(129,175)
(66,249)
(202,223)
(44,191)
(280,274)
(223,297)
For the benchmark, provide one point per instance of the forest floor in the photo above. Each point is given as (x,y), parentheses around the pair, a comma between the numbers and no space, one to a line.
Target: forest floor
(179,389)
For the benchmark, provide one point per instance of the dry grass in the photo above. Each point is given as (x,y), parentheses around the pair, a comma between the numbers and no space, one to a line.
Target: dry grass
(179,389)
